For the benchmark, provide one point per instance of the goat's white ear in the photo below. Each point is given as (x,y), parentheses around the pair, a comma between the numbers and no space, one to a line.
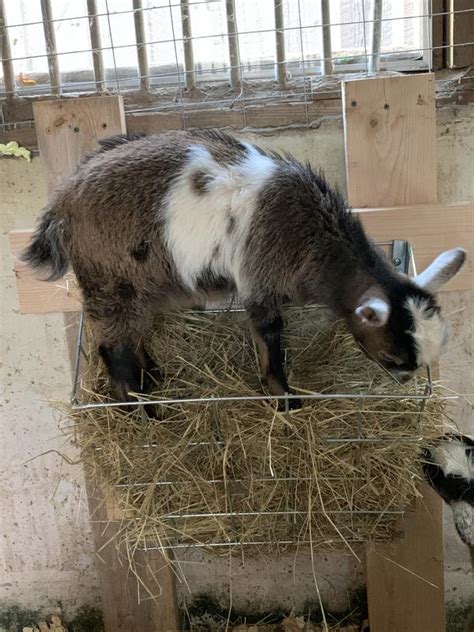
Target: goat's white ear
(442,270)
(374,312)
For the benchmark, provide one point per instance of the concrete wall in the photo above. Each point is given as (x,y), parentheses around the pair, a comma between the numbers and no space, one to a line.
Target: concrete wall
(45,550)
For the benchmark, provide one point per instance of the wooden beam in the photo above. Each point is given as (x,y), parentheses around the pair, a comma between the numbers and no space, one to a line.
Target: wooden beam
(36,296)
(430,229)
(66,131)
(390,143)
(390,140)
(405,579)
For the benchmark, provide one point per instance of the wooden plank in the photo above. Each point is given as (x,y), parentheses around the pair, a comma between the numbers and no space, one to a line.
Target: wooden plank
(430,229)
(424,226)
(66,131)
(405,579)
(36,296)
(390,140)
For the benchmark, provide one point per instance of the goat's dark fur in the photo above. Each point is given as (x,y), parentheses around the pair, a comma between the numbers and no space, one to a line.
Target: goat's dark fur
(111,221)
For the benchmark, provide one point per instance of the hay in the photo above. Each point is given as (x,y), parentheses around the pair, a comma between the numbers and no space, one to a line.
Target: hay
(335,473)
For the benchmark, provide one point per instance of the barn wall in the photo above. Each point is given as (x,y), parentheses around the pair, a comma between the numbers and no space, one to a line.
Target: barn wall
(45,551)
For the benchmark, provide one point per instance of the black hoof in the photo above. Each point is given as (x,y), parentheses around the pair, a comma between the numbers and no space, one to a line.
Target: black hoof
(151,411)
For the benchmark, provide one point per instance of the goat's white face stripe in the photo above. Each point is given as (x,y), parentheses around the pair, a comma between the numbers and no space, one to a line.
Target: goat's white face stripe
(452,458)
(429,332)
(197,224)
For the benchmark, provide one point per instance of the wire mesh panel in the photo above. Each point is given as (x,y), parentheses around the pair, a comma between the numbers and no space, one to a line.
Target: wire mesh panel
(190,52)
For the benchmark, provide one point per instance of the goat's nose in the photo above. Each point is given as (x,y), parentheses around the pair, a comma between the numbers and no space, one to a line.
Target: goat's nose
(404,377)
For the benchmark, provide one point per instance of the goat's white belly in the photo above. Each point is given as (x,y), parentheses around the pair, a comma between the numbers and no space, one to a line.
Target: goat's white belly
(205,231)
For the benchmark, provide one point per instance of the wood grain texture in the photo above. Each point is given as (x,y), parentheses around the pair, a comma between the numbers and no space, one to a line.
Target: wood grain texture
(66,131)
(424,226)
(36,296)
(430,229)
(390,140)
(405,579)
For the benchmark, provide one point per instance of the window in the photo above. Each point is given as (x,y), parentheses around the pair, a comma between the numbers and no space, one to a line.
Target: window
(65,46)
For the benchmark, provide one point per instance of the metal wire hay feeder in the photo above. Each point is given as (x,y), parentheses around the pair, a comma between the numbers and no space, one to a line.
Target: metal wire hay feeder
(221,468)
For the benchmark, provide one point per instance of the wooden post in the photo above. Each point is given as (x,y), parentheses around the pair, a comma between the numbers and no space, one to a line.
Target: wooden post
(66,130)
(390,144)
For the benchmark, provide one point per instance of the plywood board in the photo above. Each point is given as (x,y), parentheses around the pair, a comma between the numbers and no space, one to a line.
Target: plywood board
(405,580)
(390,144)
(424,226)
(430,229)
(390,140)
(68,129)
(36,296)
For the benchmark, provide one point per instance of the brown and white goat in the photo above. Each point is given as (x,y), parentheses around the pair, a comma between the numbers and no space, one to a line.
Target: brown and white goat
(153,223)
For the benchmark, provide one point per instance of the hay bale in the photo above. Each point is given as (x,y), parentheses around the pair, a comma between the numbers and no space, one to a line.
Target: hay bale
(336,472)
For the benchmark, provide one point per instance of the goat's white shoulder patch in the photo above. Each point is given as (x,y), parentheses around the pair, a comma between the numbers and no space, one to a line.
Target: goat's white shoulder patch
(429,331)
(209,210)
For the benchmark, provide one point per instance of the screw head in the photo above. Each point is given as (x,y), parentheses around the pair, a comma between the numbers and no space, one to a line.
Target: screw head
(397,261)
(353,103)
(76,129)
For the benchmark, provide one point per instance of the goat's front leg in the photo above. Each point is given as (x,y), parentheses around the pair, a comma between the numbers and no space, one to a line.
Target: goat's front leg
(267,325)
(131,369)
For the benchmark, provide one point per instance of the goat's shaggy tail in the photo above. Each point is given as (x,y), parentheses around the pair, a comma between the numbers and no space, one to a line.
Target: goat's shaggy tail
(46,250)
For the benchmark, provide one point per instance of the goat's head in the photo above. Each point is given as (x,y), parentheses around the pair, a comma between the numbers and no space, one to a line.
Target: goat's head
(402,328)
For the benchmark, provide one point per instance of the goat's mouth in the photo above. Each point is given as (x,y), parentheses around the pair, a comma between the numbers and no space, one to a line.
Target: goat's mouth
(399,376)
(402,376)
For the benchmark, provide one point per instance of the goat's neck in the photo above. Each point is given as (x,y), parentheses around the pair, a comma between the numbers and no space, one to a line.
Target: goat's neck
(338,284)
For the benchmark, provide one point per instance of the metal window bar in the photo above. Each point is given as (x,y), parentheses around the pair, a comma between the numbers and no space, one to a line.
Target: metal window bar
(426,14)
(326,61)
(96,44)
(7,62)
(258,32)
(376,39)
(233,40)
(280,65)
(311,66)
(51,49)
(189,75)
(141,45)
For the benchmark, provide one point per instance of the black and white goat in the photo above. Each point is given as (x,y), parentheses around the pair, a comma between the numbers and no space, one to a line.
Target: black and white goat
(449,469)
(152,223)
